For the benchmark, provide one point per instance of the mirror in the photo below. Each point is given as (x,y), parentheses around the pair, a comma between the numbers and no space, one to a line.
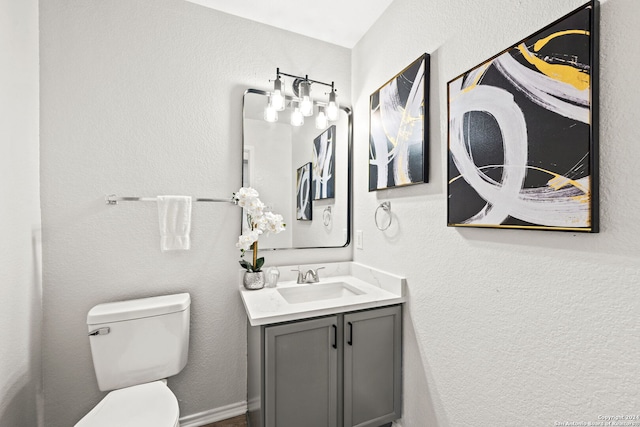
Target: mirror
(301,173)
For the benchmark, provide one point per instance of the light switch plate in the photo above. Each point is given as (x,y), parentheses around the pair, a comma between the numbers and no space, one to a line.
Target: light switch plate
(359,240)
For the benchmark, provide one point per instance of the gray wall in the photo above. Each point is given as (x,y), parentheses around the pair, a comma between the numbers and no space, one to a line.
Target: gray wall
(506,327)
(20,254)
(143,98)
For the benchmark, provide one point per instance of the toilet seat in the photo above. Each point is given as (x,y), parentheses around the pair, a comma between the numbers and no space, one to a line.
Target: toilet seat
(144,405)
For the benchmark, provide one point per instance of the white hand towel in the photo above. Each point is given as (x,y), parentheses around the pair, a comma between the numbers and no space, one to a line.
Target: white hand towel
(174,213)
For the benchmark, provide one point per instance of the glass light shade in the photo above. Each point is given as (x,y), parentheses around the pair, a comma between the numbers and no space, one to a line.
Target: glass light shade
(270,114)
(306,107)
(306,104)
(277,101)
(333,108)
(321,119)
(277,96)
(297,119)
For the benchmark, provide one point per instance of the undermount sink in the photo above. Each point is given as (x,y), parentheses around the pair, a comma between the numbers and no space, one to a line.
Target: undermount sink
(317,292)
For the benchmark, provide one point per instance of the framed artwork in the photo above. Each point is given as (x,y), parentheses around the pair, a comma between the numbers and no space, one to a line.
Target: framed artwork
(523,130)
(324,154)
(398,137)
(303,193)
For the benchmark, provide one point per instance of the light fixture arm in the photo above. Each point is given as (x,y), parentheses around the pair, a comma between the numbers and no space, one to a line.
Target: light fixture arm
(303,79)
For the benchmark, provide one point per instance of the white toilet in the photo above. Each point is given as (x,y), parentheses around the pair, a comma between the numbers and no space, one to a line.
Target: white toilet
(135,345)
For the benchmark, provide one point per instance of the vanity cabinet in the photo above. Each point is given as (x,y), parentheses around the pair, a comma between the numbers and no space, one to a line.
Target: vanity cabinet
(342,370)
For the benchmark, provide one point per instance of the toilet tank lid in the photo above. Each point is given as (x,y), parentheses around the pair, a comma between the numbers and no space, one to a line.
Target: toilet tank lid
(138,308)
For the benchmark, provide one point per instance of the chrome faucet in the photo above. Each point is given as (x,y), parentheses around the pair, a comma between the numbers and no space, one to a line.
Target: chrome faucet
(311,276)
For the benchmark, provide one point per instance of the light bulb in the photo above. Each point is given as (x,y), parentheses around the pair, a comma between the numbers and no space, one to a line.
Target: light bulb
(270,113)
(321,119)
(306,104)
(277,101)
(333,107)
(297,119)
(277,97)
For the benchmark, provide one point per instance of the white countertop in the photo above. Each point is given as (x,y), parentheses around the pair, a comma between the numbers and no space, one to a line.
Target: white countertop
(266,306)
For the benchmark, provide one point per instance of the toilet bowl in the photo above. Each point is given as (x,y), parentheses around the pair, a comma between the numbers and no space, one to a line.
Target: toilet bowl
(135,345)
(144,405)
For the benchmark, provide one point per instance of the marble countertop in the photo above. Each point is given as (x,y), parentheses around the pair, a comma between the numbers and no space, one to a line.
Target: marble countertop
(266,306)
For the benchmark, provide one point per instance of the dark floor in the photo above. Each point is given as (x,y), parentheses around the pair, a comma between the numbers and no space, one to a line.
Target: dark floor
(239,421)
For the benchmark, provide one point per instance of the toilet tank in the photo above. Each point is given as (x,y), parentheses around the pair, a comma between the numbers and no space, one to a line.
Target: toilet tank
(139,341)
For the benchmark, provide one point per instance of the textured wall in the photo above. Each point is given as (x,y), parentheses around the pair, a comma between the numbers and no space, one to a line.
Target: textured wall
(20,293)
(507,327)
(142,98)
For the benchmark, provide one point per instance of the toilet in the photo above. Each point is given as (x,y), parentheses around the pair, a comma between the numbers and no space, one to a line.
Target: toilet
(135,346)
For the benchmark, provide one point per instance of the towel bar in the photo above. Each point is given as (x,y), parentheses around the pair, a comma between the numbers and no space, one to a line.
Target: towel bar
(112,199)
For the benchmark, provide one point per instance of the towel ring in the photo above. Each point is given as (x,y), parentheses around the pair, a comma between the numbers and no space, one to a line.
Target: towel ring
(385,206)
(326,216)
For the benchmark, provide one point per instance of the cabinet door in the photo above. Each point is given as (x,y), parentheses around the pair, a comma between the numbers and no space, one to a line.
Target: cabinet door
(301,374)
(372,367)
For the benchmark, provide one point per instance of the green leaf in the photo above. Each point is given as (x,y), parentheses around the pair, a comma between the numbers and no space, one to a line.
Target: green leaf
(245,264)
(259,264)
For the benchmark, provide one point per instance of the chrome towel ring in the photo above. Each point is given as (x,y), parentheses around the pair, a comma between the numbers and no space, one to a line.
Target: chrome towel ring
(386,207)
(326,216)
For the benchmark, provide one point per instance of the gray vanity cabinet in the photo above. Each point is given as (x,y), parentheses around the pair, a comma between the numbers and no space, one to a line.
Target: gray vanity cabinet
(336,371)
(372,367)
(301,374)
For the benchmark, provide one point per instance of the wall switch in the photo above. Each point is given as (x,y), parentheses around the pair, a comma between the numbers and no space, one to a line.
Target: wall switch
(359,238)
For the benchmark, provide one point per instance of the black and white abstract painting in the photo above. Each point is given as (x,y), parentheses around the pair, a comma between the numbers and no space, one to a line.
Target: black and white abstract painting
(398,144)
(324,154)
(303,193)
(522,149)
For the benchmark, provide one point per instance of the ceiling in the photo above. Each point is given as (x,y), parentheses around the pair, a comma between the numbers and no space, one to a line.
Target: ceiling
(341,22)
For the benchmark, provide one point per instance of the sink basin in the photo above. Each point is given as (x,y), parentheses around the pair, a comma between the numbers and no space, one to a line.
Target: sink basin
(318,292)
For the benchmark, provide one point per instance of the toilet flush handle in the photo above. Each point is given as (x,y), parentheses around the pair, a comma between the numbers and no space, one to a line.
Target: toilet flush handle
(100,331)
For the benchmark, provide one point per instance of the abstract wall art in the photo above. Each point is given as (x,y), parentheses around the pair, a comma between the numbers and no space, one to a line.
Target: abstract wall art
(324,155)
(523,133)
(303,193)
(398,137)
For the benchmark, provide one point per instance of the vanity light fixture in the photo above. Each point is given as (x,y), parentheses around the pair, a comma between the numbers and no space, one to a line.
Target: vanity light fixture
(301,103)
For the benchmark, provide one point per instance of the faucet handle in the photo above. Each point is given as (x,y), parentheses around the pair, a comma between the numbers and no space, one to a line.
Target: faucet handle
(300,275)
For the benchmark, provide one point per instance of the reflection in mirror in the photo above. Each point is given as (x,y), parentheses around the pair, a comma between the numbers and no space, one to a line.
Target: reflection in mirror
(302,173)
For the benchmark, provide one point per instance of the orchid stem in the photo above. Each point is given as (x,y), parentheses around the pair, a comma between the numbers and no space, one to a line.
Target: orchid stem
(255,254)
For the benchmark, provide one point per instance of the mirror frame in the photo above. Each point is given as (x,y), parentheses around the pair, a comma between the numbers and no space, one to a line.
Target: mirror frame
(348,111)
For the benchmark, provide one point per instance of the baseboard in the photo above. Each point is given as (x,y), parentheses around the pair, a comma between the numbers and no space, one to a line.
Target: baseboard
(213,415)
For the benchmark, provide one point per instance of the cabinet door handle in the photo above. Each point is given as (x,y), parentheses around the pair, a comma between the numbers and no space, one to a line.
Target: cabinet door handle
(335,336)
(350,342)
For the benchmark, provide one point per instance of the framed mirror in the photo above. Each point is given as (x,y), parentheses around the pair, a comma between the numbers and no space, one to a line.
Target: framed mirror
(301,172)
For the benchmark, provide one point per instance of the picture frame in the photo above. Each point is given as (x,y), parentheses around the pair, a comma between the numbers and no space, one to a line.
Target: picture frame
(304,200)
(398,131)
(523,132)
(324,158)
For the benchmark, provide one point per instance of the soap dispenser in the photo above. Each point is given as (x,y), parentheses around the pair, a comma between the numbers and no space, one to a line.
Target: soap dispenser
(273,274)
